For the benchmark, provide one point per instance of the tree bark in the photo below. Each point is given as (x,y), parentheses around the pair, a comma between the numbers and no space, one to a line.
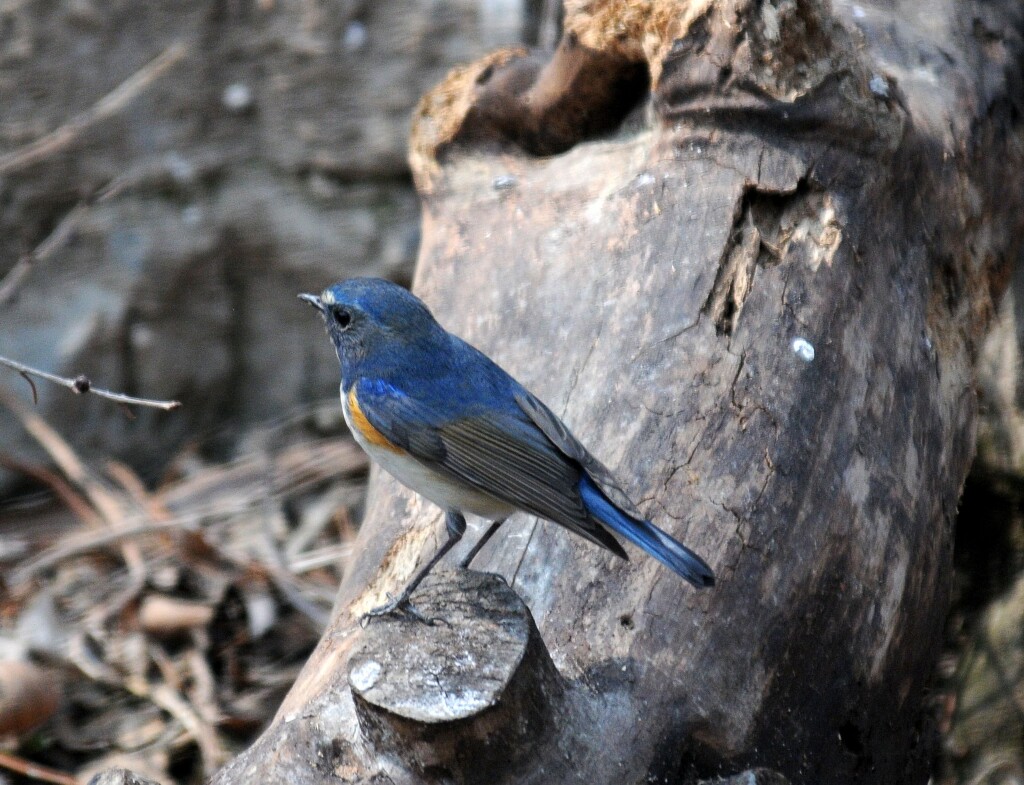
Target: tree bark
(746,249)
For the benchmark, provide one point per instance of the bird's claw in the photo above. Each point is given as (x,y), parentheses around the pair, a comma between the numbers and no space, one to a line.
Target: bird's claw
(396,606)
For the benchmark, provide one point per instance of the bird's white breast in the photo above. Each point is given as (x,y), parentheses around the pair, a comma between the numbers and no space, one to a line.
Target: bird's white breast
(427,482)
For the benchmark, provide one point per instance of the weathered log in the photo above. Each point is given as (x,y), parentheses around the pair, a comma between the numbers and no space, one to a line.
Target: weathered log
(759,302)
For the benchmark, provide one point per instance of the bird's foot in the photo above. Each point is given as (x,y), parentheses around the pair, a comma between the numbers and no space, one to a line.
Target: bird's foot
(399,606)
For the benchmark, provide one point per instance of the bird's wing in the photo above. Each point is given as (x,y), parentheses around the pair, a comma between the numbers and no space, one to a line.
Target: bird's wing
(500,453)
(560,436)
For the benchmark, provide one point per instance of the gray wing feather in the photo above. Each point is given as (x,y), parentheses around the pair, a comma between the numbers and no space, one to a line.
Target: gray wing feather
(559,434)
(488,458)
(514,462)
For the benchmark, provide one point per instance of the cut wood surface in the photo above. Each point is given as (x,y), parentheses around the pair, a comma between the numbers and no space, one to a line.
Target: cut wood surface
(758,300)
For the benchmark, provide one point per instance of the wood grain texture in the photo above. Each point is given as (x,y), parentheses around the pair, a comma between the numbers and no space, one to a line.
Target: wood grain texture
(792,175)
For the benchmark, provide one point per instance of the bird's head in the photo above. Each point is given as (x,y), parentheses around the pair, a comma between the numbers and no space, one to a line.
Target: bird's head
(370,320)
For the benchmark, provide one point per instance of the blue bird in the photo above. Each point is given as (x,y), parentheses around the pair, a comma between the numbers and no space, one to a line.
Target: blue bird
(446,421)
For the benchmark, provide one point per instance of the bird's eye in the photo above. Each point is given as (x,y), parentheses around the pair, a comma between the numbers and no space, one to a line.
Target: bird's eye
(342,318)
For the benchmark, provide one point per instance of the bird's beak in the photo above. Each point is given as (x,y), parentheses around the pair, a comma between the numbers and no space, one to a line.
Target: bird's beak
(313,300)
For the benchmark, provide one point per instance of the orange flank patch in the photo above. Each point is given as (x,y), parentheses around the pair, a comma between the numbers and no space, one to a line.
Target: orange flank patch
(366,430)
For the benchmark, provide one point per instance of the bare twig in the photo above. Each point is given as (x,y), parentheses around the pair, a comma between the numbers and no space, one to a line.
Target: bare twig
(149,508)
(77,544)
(174,703)
(48,439)
(161,695)
(55,240)
(71,498)
(203,691)
(104,501)
(291,592)
(274,561)
(34,771)
(60,138)
(148,503)
(112,102)
(81,385)
(330,556)
(32,384)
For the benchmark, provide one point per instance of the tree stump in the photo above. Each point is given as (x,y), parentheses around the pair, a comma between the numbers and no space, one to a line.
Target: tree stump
(746,249)
(475,692)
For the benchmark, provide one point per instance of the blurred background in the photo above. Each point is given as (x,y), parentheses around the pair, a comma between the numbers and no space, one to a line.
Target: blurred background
(171,176)
(194,166)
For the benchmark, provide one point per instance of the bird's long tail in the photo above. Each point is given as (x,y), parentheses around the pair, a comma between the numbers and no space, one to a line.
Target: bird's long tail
(644,534)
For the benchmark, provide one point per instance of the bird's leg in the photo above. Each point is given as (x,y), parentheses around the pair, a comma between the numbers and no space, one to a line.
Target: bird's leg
(491,531)
(455,523)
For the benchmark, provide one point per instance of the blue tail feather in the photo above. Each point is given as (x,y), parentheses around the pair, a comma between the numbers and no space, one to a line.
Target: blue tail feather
(644,534)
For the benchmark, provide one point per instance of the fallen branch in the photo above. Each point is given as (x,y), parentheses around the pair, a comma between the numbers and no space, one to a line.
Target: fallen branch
(81,384)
